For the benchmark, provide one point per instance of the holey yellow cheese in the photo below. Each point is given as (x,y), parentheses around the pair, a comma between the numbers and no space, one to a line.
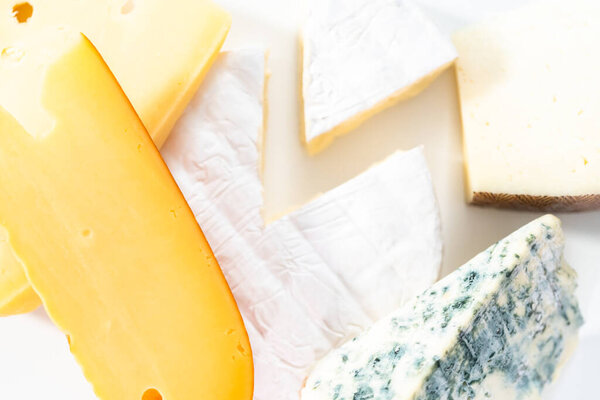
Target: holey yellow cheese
(159,51)
(106,238)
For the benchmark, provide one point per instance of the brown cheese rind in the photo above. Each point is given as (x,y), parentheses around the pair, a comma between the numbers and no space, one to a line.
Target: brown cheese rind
(537,203)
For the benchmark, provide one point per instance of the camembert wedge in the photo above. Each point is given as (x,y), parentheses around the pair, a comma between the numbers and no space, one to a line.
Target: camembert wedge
(500,328)
(105,236)
(362,56)
(530,100)
(321,274)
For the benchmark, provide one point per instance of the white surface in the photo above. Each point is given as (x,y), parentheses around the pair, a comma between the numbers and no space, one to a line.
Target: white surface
(321,274)
(359,53)
(34,358)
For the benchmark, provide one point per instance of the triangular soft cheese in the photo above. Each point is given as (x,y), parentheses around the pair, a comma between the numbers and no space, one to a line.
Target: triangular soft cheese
(321,274)
(361,56)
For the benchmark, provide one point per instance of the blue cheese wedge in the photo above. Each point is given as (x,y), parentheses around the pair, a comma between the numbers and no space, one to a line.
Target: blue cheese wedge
(362,56)
(499,327)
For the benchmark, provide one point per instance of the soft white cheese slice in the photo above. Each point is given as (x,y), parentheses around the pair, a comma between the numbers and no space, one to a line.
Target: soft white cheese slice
(530,100)
(321,274)
(361,56)
(500,328)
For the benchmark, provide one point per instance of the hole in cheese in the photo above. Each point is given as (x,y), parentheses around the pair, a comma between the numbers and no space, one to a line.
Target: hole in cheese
(12,54)
(128,7)
(241,349)
(151,394)
(86,233)
(22,12)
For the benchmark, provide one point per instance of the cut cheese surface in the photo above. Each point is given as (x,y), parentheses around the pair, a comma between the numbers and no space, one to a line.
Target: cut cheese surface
(108,241)
(500,328)
(158,53)
(530,97)
(362,56)
(313,278)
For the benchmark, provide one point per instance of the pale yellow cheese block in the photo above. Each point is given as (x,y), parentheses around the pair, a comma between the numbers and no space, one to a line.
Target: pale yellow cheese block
(530,100)
(159,51)
(106,237)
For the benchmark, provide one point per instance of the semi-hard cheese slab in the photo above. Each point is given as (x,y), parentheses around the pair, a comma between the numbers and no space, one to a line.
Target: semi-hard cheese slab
(158,50)
(106,237)
(530,100)
(362,56)
(158,53)
(500,328)
(313,278)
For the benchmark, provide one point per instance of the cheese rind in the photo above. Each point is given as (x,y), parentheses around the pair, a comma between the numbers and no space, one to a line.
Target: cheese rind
(320,274)
(110,245)
(360,57)
(158,53)
(529,98)
(499,327)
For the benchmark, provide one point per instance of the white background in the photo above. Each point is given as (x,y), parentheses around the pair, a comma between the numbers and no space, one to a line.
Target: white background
(34,358)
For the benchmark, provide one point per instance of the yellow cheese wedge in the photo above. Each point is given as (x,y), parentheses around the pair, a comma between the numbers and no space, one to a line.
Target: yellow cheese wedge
(159,51)
(106,238)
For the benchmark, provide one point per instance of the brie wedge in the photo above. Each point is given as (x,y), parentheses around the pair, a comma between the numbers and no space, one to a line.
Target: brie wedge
(362,56)
(321,274)
(530,100)
(498,328)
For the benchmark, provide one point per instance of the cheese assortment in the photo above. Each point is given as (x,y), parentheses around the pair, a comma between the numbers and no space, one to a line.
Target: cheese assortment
(158,54)
(500,327)
(362,56)
(530,97)
(336,300)
(106,238)
(321,274)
